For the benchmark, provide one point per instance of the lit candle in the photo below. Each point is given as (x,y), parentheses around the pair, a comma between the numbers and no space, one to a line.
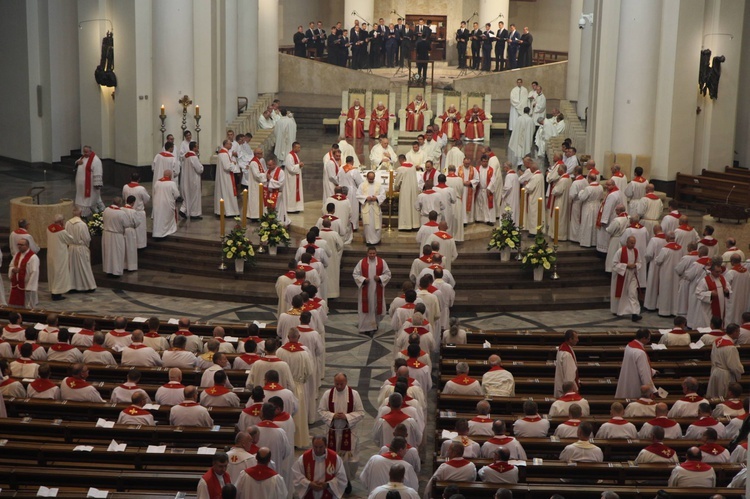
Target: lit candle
(221,216)
(162,110)
(390,184)
(243,215)
(260,198)
(557,222)
(540,203)
(523,207)
(197,110)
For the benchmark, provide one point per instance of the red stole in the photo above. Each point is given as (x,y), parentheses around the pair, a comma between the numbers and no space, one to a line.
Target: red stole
(621,278)
(55,228)
(42,385)
(18,281)
(214,487)
(501,467)
(463,380)
(272,195)
(457,463)
(260,165)
(62,347)
(430,175)
(490,195)
(673,246)
(566,348)
(378,285)
(662,422)
(570,397)
(695,466)
(660,450)
(231,175)
(75,383)
(87,178)
(260,472)
(346,433)
(308,463)
(639,346)
(296,162)
(708,242)
(394,417)
(715,304)
(739,268)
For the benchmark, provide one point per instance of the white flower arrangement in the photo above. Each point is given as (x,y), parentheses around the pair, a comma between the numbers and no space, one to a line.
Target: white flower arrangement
(271,231)
(539,254)
(508,235)
(236,245)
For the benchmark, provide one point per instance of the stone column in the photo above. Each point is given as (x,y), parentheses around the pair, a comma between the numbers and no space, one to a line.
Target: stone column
(268,46)
(584,69)
(489,11)
(230,59)
(635,84)
(574,51)
(364,9)
(173,69)
(247,41)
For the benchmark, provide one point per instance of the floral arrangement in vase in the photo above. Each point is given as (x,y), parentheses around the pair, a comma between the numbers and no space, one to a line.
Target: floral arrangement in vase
(236,245)
(539,254)
(271,231)
(507,235)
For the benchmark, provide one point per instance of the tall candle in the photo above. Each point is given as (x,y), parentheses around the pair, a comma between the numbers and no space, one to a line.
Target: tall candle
(197,110)
(162,110)
(523,208)
(221,216)
(557,222)
(540,204)
(390,183)
(243,215)
(260,199)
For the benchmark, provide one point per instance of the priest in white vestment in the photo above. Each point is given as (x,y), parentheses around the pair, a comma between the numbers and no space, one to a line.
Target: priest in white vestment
(534,191)
(566,366)
(371,195)
(738,277)
(371,276)
(521,138)
(582,451)
(455,469)
(665,262)
(455,182)
(615,229)
(681,271)
(341,409)
(165,160)
(519,99)
(225,187)
(511,193)
(285,132)
(470,176)
(142,198)
(114,221)
(131,238)
(560,199)
(319,471)
(655,244)
(293,192)
(636,370)
(485,197)
(447,244)
(89,181)
(382,155)
(416,156)
(612,199)
(406,183)
(333,271)
(455,155)
(351,178)
(624,285)
(713,291)
(58,256)
(275,197)
(650,209)
(261,480)
(635,229)
(190,177)
(257,179)
(81,275)
(726,366)
(331,166)
(166,195)
(428,201)
(304,373)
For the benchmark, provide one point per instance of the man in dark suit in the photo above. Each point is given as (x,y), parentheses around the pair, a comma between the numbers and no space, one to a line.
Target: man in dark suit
(423,54)
(501,36)
(462,38)
(320,42)
(358,39)
(488,38)
(344,47)
(407,43)
(400,33)
(524,51)
(422,28)
(377,42)
(391,46)
(333,41)
(312,38)
(476,44)
(300,42)
(513,38)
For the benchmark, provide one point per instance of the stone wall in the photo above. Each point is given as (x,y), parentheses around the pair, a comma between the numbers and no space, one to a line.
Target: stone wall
(552,77)
(304,76)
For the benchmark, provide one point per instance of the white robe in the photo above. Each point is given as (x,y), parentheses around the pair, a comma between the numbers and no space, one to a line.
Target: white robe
(293,185)
(511,196)
(417,158)
(519,98)
(340,402)
(407,185)
(615,229)
(634,373)
(142,198)
(485,192)
(369,321)
(249,488)
(591,197)
(681,477)
(333,271)
(81,275)
(665,263)
(534,191)
(685,237)
(582,452)
(94,201)
(455,157)
(459,207)
(115,221)
(376,471)
(641,244)
(372,217)
(575,208)
(58,269)
(378,158)
(224,186)
(703,311)
(471,175)
(330,177)
(426,202)
(285,132)
(352,179)
(628,303)
(521,139)
(348,150)
(566,369)
(655,244)
(449,473)
(609,203)
(726,368)
(165,212)
(740,299)
(561,199)
(258,170)
(447,247)
(190,178)
(131,240)
(335,486)
(304,373)
(164,161)
(278,185)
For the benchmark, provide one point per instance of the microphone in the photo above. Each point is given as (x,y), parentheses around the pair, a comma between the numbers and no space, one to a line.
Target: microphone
(730,193)
(354,12)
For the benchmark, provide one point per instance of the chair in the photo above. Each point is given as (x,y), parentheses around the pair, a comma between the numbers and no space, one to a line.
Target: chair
(408,94)
(444,101)
(347,100)
(388,98)
(484,101)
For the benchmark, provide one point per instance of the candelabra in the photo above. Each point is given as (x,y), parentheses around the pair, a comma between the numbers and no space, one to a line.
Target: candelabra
(163,118)
(222,265)
(197,124)
(555,276)
(185,101)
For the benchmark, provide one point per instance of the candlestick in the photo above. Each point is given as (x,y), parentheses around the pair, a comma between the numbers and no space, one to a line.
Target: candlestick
(540,204)
(557,223)
(523,208)
(162,128)
(243,215)
(162,111)
(221,217)
(197,111)
(390,184)
(260,199)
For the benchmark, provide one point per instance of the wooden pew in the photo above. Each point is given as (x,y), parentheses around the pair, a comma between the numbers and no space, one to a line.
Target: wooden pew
(739,171)
(597,339)
(697,191)
(87,432)
(725,175)
(479,490)
(77,493)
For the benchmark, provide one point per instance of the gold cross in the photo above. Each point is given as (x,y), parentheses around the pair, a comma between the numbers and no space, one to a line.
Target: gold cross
(292,348)
(72,384)
(467,381)
(255,412)
(417,364)
(212,390)
(133,411)
(272,386)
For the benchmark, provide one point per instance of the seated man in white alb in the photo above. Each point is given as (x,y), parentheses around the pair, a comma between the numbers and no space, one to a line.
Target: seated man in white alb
(657,452)
(470,447)
(118,338)
(532,425)
(582,451)
(172,392)
(561,406)
(455,469)
(499,471)
(43,387)
(712,452)
(644,407)
(672,429)
(500,439)
(24,367)
(687,406)
(382,430)
(705,420)
(139,354)
(498,382)
(569,428)
(617,427)
(463,384)
(63,351)
(123,394)
(678,336)
(693,473)
(732,405)
(97,354)
(482,423)
(135,414)
(178,356)
(190,412)
(75,387)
